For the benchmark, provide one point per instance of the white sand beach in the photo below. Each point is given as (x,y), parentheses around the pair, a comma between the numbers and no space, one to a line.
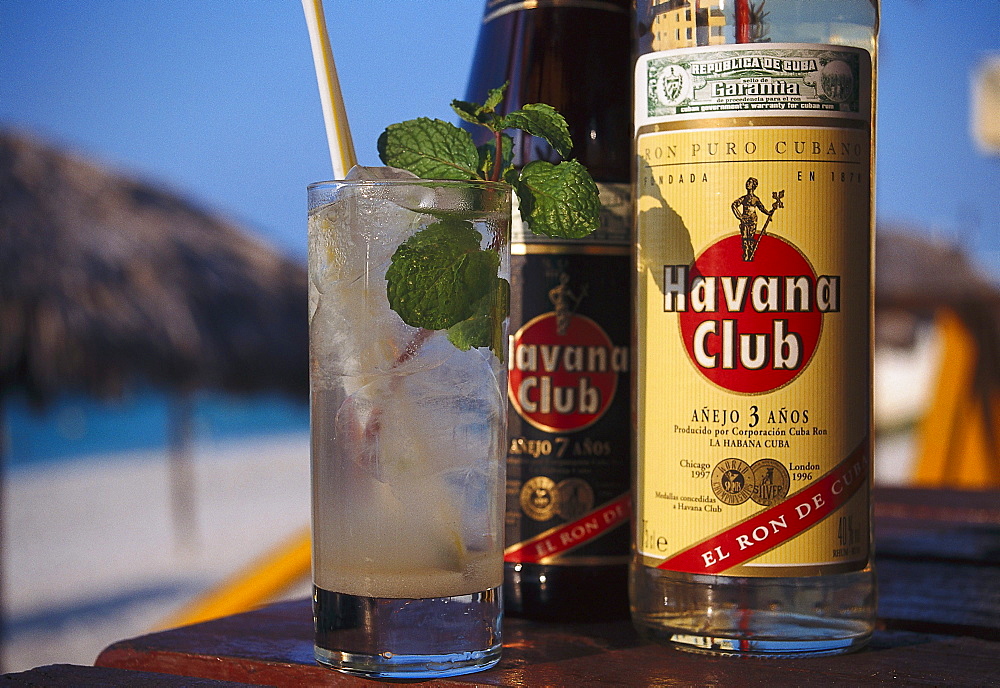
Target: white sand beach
(92,554)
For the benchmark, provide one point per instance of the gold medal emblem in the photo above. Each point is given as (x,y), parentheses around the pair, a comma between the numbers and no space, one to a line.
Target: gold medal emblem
(732,481)
(771,482)
(539,498)
(576,498)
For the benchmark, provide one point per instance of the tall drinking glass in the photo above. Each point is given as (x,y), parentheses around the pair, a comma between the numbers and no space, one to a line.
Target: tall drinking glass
(408,423)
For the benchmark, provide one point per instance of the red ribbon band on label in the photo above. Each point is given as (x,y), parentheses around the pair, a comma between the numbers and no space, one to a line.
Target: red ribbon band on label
(568,536)
(778,524)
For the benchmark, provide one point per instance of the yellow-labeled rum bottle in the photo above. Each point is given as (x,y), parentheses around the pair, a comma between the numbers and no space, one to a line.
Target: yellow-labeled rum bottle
(569,429)
(753,188)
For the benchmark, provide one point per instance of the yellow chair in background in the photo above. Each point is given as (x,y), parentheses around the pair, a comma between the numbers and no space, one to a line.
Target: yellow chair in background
(958,438)
(274,573)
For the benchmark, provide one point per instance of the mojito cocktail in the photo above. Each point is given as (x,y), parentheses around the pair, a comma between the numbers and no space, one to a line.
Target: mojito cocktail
(407,309)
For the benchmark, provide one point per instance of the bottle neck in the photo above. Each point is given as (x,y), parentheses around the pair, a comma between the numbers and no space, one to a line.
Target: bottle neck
(573,55)
(498,8)
(672,24)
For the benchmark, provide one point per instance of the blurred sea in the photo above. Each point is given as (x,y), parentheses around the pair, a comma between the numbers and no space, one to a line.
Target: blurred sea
(77,426)
(93,549)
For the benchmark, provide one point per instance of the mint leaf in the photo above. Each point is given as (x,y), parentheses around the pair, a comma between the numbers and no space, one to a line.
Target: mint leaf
(485,327)
(470,112)
(539,119)
(495,97)
(499,310)
(471,333)
(480,114)
(558,200)
(438,275)
(430,148)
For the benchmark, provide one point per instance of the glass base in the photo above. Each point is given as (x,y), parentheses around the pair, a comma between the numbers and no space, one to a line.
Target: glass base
(408,638)
(774,636)
(754,617)
(408,666)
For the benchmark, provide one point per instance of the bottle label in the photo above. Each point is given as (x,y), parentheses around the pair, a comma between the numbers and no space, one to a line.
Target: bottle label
(754,309)
(568,499)
(801,80)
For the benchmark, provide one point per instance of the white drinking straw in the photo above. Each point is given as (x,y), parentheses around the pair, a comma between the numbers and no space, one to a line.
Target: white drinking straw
(338,132)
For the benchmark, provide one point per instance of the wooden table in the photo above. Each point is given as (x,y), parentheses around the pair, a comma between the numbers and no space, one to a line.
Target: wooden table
(938,561)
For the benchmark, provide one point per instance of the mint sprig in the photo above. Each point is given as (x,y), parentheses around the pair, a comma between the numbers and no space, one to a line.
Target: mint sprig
(440,278)
(560,200)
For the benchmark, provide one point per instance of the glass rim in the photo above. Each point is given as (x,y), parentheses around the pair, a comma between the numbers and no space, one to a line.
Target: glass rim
(475,183)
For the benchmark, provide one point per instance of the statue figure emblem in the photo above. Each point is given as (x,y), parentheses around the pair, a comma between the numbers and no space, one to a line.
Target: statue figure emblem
(565,302)
(745,209)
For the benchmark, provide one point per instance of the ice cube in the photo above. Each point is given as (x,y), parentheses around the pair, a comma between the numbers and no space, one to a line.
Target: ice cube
(438,420)
(354,334)
(358,231)
(362,173)
(416,197)
(349,340)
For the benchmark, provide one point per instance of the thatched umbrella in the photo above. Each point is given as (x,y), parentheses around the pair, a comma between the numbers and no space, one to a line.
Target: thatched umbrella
(107,282)
(918,272)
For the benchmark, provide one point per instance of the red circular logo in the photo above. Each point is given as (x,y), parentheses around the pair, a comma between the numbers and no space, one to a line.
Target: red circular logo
(752,326)
(563,381)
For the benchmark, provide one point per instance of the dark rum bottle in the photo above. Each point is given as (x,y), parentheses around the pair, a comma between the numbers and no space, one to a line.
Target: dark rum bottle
(569,434)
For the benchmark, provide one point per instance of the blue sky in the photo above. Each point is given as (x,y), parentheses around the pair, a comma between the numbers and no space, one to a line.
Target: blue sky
(218,100)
